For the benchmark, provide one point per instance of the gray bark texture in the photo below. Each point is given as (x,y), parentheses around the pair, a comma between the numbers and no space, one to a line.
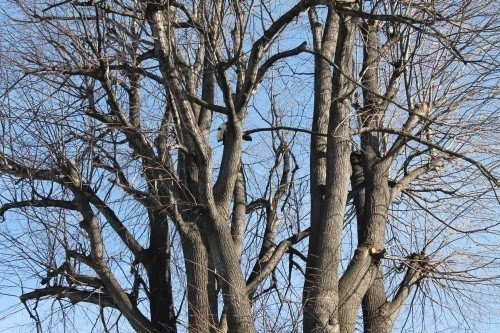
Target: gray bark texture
(244,166)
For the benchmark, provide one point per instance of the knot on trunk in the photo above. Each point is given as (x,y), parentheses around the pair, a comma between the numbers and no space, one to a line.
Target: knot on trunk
(377,254)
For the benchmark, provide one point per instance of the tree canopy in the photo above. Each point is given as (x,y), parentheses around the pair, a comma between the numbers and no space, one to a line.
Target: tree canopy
(355,186)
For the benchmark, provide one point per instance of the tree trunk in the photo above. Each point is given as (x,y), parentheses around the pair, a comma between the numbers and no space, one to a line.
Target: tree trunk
(372,209)
(196,261)
(325,41)
(321,305)
(158,270)
(233,285)
(376,318)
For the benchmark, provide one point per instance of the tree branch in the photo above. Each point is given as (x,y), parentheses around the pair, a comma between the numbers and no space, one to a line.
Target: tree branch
(207,105)
(75,295)
(404,182)
(276,57)
(100,265)
(260,46)
(415,23)
(127,238)
(493,180)
(419,266)
(37,203)
(282,248)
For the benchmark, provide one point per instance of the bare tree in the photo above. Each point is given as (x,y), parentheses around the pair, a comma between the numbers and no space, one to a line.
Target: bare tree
(129,192)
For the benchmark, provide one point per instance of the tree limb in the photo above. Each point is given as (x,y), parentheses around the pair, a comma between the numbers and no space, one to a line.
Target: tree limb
(75,295)
(276,256)
(46,202)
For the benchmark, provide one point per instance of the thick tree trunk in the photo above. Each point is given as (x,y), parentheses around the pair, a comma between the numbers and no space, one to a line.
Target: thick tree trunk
(196,261)
(325,41)
(374,210)
(371,231)
(372,199)
(376,315)
(234,291)
(321,305)
(158,270)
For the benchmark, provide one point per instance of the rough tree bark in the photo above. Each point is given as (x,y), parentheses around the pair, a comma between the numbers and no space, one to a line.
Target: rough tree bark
(119,101)
(321,301)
